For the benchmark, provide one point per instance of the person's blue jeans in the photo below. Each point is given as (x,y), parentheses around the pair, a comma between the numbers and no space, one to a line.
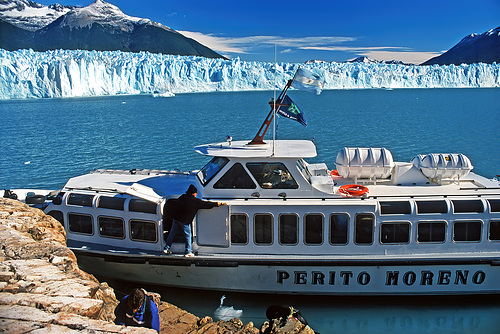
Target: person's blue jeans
(177,226)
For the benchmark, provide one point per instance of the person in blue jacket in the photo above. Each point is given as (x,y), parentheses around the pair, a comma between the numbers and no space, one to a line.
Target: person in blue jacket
(139,310)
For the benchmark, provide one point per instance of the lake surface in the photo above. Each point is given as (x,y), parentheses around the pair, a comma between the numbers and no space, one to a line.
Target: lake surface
(44,142)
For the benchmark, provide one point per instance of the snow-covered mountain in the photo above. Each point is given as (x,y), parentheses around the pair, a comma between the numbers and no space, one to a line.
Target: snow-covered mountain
(367,60)
(99,26)
(475,48)
(67,73)
(29,15)
(363,59)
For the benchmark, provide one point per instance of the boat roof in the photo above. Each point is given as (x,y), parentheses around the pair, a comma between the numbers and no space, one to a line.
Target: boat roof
(164,183)
(273,148)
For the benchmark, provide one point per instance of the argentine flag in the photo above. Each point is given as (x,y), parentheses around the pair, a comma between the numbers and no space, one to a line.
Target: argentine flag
(305,79)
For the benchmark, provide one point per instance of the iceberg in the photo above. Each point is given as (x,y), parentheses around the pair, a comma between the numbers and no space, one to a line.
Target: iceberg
(77,73)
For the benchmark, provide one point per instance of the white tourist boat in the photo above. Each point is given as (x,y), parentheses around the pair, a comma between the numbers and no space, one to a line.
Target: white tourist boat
(370,226)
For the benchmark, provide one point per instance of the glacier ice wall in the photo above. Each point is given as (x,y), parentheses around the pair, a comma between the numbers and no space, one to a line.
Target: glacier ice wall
(73,73)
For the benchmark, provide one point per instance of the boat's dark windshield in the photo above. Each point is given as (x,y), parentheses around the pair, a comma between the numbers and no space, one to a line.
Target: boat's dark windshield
(272,175)
(211,169)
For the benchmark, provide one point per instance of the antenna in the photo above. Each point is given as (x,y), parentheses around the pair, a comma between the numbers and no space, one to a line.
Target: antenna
(274,97)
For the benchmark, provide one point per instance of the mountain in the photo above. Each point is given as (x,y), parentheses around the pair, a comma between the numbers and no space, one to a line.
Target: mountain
(100,26)
(475,48)
(363,59)
(29,15)
(367,60)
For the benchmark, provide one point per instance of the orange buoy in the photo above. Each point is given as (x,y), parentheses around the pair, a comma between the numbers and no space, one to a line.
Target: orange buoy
(353,190)
(335,174)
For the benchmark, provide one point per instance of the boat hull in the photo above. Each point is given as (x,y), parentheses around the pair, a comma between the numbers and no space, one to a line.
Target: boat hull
(377,277)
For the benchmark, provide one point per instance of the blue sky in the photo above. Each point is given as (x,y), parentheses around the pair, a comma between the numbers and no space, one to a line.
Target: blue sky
(410,31)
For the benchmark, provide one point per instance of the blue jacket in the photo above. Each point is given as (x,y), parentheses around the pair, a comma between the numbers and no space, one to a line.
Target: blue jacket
(147,316)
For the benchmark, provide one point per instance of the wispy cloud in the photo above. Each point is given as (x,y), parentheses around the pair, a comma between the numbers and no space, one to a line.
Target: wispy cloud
(249,44)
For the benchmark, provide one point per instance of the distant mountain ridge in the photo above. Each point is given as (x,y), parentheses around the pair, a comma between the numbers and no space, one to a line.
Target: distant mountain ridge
(363,59)
(475,48)
(100,26)
(472,49)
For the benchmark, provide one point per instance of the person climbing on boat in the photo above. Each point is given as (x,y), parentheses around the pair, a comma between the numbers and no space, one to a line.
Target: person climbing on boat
(138,309)
(182,212)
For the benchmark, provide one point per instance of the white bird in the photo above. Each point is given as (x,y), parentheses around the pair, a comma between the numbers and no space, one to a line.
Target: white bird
(226,312)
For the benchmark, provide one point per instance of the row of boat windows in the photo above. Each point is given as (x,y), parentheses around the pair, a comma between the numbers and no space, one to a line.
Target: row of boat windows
(438,206)
(110,227)
(364,228)
(386,207)
(288,229)
(106,202)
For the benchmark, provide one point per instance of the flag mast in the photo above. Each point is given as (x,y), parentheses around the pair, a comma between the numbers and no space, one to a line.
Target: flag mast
(275,104)
(274,97)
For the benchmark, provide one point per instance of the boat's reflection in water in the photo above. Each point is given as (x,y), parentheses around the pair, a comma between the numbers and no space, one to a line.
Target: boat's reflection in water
(350,314)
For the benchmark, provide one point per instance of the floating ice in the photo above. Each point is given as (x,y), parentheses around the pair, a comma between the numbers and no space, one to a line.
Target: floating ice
(75,73)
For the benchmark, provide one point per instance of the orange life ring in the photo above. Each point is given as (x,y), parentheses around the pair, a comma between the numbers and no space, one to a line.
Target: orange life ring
(335,174)
(353,190)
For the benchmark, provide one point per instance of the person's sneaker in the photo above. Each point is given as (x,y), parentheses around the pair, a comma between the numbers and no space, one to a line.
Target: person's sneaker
(189,255)
(167,251)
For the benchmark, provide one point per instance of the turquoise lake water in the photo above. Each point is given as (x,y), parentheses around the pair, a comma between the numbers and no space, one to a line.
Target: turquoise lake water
(44,142)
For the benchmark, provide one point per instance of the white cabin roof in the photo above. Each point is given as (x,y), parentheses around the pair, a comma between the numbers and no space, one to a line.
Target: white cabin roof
(241,149)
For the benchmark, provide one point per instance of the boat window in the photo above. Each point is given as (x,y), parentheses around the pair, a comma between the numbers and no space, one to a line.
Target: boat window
(141,230)
(461,206)
(302,166)
(80,223)
(339,227)
(288,229)
(494,205)
(467,231)
(272,175)
(80,199)
(235,178)
(239,228)
(263,229)
(396,207)
(112,227)
(313,225)
(432,207)
(142,205)
(58,215)
(363,228)
(431,231)
(494,230)
(211,169)
(395,233)
(114,203)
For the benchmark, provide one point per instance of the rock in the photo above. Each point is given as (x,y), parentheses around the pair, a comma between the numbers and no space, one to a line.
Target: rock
(285,326)
(40,282)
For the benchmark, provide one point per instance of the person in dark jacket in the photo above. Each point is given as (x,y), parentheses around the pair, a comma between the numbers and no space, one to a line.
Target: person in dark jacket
(139,310)
(182,212)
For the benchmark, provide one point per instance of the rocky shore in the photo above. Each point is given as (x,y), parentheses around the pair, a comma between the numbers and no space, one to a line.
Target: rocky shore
(42,289)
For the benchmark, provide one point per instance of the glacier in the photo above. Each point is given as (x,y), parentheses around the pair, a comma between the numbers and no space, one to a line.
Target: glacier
(78,73)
